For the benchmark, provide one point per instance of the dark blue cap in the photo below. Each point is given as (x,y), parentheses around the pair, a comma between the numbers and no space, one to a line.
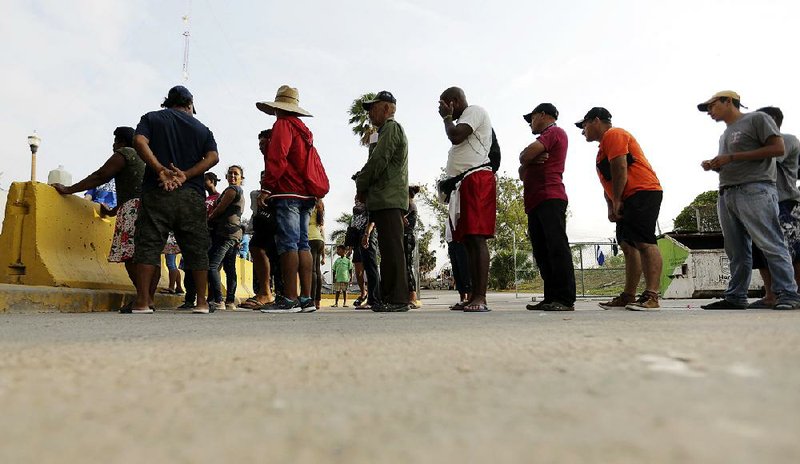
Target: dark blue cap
(383,95)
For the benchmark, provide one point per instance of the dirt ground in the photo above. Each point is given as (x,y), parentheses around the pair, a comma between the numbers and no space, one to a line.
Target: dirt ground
(430,386)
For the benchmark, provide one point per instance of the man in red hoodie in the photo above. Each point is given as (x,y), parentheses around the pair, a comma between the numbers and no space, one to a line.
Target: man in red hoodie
(284,185)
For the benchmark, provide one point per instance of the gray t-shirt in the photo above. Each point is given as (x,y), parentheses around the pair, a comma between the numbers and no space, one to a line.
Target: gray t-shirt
(787,169)
(750,132)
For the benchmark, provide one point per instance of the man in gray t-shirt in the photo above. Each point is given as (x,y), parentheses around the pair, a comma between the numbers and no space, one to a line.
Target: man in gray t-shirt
(788,207)
(748,200)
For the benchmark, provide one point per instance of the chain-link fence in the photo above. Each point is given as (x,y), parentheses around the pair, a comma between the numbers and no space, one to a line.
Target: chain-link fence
(599,268)
(707,218)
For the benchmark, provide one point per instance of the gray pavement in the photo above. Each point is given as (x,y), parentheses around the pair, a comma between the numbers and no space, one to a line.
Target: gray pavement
(677,386)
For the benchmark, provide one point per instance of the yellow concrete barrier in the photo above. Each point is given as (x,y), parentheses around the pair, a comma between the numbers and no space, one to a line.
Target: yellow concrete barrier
(61,241)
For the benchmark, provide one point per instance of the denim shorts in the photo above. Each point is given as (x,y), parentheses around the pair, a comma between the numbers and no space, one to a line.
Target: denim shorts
(292,224)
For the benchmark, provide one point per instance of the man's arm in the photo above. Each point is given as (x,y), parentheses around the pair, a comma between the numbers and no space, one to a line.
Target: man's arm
(210,159)
(534,153)
(773,148)
(456,133)
(107,171)
(619,178)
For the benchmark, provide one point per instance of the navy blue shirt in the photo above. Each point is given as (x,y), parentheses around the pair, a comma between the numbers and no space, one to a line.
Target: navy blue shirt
(175,138)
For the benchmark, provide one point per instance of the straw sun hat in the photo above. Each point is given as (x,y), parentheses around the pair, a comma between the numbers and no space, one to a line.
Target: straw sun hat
(287,99)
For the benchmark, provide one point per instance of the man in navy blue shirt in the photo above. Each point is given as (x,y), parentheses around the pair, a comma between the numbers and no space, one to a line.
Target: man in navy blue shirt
(177,149)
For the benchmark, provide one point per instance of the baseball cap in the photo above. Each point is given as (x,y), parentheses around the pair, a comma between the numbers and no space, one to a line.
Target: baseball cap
(211,176)
(596,112)
(179,93)
(724,93)
(546,108)
(383,95)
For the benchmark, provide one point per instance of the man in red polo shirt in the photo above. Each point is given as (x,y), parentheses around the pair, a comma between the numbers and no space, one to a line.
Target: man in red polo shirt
(541,170)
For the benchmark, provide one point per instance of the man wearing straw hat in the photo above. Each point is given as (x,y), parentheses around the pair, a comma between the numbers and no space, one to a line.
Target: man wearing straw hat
(284,185)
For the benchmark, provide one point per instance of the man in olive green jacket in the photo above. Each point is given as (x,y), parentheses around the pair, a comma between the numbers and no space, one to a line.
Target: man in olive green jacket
(383,184)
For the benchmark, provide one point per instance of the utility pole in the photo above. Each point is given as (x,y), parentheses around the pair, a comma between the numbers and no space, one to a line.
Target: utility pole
(186,35)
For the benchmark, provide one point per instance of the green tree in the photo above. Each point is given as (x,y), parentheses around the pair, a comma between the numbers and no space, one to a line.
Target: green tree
(338,234)
(429,198)
(501,269)
(511,218)
(359,119)
(687,219)
(427,257)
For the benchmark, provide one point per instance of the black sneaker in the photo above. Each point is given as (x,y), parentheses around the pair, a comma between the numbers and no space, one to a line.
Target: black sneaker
(307,305)
(390,308)
(556,306)
(724,304)
(283,305)
(787,304)
(537,306)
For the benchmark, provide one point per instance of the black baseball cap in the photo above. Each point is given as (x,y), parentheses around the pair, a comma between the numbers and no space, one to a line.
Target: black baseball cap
(546,108)
(596,112)
(179,93)
(383,95)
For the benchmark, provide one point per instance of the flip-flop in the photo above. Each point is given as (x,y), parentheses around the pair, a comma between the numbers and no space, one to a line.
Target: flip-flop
(251,303)
(458,306)
(476,308)
(166,291)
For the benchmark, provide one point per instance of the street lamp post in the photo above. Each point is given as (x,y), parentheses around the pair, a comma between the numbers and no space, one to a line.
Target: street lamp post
(34,141)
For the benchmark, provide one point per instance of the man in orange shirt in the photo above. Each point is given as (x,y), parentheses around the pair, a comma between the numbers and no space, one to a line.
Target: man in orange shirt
(633,195)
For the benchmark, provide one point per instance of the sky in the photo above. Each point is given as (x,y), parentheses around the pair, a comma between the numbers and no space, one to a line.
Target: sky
(74,70)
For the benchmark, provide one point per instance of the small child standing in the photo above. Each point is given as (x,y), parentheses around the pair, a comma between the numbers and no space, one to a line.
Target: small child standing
(342,274)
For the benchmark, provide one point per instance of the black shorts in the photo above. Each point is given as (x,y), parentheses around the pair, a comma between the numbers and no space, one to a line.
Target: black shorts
(264,227)
(639,216)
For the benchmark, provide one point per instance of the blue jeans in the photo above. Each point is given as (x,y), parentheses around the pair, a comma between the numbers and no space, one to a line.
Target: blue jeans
(748,214)
(219,248)
(171,264)
(292,216)
(229,266)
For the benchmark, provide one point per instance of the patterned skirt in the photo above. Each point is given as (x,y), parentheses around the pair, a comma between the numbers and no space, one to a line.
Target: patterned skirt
(124,229)
(122,244)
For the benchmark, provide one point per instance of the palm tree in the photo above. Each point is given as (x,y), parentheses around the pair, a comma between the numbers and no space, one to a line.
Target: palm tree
(338,235)
(359,119)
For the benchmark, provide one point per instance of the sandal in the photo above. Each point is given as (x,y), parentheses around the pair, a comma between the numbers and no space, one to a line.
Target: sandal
(458,306)
(166,291)
(250,303)
(476,308)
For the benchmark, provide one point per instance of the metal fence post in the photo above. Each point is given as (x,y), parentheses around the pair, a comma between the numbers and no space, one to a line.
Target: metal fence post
(583,283)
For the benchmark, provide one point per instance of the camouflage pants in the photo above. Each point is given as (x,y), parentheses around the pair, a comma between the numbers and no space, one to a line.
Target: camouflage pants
(181,211)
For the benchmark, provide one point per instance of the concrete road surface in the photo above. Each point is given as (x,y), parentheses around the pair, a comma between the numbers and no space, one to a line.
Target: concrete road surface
(430,386)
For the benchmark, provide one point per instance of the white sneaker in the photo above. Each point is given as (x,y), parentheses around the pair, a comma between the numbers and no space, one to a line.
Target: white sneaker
(230,307)
(273,310)
(142,311)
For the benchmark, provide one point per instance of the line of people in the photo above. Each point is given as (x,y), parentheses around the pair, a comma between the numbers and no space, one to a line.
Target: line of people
(171,150)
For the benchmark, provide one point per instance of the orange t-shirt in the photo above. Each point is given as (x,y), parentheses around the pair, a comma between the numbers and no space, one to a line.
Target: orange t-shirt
(618,142)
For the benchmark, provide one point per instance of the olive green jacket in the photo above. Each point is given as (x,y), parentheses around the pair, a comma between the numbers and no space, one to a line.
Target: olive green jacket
(384,179)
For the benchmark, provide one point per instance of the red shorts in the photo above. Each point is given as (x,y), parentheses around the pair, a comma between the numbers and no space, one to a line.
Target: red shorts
(478,206)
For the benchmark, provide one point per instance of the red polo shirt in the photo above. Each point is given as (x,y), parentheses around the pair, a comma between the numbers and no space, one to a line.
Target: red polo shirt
(545,181)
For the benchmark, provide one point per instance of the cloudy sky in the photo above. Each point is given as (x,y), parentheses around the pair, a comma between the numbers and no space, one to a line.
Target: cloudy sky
(73,70)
